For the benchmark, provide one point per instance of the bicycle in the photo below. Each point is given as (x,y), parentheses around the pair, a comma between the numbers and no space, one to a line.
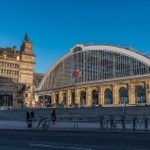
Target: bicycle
(44,121)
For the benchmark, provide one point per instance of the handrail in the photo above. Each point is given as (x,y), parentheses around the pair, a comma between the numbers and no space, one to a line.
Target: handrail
(138,123)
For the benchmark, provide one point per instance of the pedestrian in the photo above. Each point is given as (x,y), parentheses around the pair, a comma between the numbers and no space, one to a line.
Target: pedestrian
(32,115)
(53,117)
(27,115)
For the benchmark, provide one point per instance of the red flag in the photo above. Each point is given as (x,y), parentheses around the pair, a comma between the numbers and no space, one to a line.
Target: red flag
(76,73)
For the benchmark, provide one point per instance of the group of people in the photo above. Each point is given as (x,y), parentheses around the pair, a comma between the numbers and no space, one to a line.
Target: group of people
(30,116)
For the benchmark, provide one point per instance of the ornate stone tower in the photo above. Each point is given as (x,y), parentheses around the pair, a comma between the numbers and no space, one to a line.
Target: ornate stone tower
(27,70)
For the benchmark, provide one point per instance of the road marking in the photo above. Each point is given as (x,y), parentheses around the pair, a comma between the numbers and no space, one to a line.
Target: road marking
(40,145)
(60,147)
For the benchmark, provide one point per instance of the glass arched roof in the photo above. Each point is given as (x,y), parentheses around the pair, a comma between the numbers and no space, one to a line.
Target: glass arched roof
(95,63)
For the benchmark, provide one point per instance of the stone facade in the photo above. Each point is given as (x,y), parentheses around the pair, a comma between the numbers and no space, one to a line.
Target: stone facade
(114,86)
(16,75)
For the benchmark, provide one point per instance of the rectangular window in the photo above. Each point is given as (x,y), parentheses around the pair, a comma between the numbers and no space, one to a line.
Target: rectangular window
(26,95)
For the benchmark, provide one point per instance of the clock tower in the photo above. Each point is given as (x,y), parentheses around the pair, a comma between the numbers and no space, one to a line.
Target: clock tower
(27,70)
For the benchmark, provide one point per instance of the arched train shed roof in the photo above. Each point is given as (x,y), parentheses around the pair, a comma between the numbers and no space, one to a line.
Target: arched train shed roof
(109,48)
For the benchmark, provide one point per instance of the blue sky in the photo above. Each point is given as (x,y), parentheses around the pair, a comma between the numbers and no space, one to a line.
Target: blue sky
(54,26)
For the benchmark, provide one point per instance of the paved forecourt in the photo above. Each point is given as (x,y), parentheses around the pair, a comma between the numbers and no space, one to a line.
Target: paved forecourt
(71,125)
(77,118)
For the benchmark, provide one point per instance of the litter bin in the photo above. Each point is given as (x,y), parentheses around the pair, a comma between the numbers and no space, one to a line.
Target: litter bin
(29,123)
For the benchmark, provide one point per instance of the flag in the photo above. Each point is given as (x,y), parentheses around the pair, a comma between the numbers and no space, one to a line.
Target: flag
(76,73)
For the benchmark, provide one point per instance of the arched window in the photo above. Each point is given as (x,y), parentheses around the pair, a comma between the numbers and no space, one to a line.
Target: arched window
(94,97)
(41,100)
(47,100)
(82,98)
(123,95)
(108,96)
(140,94)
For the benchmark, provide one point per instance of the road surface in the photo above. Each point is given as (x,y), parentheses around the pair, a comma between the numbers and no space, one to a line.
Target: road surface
(72,140)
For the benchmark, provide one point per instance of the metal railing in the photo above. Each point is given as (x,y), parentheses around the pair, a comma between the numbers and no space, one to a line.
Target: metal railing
(104,123)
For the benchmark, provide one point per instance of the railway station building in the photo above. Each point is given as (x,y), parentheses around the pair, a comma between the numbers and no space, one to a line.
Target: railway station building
(97,75)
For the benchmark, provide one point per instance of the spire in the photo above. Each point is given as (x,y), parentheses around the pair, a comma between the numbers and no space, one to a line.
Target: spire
(26,46)
(26,38)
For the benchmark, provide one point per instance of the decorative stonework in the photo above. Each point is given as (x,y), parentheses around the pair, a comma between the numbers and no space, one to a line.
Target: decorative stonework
(17,69)
(88,89)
